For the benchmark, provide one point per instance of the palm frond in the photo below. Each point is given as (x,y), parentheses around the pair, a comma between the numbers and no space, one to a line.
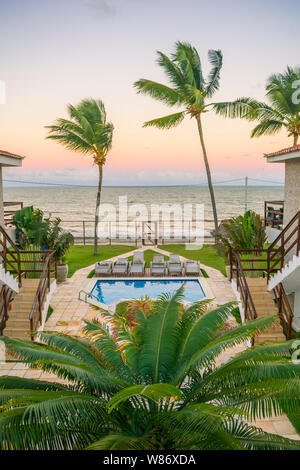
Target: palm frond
(270,127)
(159,347)
(172,70)
(215,58)
(158,91)
(155,392)
(253,438)
(188,60)
(166,122)
(198,330)
(247,108)
(123,441)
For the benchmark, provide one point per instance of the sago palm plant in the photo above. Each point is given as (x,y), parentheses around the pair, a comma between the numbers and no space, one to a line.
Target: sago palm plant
(88,132)
(157,385)
(189,90)
(283,112)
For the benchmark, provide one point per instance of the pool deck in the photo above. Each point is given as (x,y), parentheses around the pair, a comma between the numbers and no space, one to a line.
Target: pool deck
(69,314)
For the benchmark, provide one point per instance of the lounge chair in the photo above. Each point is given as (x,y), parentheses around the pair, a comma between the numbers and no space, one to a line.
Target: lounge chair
(137,267)
(175,267)
(192,268)
(120,267)
(103,268)
(158,266)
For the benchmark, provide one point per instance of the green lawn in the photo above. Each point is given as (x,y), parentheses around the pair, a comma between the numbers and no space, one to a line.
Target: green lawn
(206,255)
(80,256)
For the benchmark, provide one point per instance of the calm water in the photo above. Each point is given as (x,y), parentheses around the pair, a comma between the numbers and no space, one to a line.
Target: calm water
(109,291)
(78,203)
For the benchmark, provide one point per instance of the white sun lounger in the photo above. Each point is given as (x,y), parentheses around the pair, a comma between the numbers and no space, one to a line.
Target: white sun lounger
(120,267)
(192,268)
(103,268)
(137,267)
(175,266)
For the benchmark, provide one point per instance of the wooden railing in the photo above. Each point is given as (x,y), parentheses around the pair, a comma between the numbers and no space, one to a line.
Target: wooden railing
(10,255)
(25,264)
(242,285)
(272,259)
(284,309)
(35,316)
(9,214)
(6,295)
(287,240)
(267,262)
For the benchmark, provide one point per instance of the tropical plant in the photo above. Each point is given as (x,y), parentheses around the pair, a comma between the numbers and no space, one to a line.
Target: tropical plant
(87,131)
(158,385)
(55,238)
(188,89)
(30,226)
(245,232)
(282,112)
(36,232)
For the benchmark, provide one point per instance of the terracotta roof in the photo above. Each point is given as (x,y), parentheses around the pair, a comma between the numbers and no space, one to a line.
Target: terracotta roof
(283,151)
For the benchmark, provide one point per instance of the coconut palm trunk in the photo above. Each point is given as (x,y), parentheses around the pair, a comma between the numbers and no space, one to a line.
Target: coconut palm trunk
(187,89)
(208,173)
(98,201)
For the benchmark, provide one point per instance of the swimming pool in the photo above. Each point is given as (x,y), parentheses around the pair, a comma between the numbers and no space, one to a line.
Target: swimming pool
(109,291)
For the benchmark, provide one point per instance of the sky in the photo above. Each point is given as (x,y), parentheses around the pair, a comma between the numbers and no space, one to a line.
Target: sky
(55,52)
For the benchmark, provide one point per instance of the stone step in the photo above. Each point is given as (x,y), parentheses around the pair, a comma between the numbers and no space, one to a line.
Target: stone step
(19,333)
(19,323)
(276,338)
(256,281)
(18,315)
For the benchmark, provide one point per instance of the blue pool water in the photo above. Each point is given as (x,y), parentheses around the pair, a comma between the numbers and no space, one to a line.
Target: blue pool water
(108,291)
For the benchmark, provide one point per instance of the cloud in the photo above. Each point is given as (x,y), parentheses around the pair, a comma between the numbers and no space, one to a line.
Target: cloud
(103,8)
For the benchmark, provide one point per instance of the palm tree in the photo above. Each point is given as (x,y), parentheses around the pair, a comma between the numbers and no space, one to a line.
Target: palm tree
(283,111)
(189,89)
(88,132)
(156,385)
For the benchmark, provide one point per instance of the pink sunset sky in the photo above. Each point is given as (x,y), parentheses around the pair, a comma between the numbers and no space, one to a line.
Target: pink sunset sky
(61,51)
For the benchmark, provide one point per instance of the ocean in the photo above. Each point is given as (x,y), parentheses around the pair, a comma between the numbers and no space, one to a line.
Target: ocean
(75,204)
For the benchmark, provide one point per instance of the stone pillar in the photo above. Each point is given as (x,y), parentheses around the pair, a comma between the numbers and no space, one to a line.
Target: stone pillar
(291,190)
(1,199)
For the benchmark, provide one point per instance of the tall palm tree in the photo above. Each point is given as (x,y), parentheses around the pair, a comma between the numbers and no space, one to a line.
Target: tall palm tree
(156,385)
(282,112)
(88,132)
(189,89)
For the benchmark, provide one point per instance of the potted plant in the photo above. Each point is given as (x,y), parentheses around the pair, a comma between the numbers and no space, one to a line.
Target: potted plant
(59,241)
(62,269)
(35,232)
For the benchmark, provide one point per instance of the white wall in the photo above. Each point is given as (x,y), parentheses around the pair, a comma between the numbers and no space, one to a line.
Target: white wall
(296,319)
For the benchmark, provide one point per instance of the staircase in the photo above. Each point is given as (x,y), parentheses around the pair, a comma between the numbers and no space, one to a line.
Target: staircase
(262,296)
(27,279)
(18,323)
(265,307)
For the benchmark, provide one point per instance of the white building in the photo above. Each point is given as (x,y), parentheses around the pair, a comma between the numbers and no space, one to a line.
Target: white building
(7,159)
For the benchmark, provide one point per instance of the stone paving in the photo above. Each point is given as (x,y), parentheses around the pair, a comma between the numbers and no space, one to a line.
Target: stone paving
(69,314)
